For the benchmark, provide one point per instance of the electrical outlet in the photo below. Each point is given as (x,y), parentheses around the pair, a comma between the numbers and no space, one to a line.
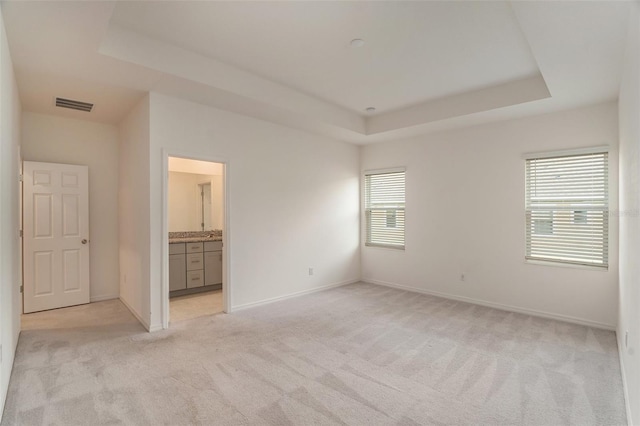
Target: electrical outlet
(310,271)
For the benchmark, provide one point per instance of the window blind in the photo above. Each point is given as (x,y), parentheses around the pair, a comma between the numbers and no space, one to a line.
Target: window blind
(384,199)
(567,209)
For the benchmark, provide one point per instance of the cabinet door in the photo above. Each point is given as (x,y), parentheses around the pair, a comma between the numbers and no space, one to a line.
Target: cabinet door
(212,267)
(177,272)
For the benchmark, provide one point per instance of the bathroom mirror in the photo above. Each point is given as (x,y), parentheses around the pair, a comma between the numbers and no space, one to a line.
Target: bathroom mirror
(195,195)
(195,202)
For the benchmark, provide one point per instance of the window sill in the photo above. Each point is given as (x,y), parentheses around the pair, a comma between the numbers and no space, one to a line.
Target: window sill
(384,246)
(566,265)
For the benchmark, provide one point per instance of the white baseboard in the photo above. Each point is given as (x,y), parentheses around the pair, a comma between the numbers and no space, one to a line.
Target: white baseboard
(104,297)
(625,388)
(291,295)
(144,323)
(155,327)
(510,308)
(5,386)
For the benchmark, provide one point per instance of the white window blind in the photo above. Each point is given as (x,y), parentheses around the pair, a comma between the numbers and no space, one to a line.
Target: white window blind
(567,209)
(384,200)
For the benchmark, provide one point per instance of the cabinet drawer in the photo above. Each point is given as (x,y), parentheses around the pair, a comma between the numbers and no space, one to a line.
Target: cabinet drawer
(176,248)
(195,279)
(194,262)
(194,247)
(213,245)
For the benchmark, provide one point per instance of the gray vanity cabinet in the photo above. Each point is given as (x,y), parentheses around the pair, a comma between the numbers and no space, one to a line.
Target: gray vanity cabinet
(194,265)
(177,267)
(212,262)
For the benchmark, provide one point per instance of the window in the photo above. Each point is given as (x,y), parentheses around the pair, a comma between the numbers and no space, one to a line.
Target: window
(543,223)
(567,208)
(391,218)
(579,216)
(384,208)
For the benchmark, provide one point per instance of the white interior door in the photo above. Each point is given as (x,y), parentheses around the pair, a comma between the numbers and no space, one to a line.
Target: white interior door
(56,235)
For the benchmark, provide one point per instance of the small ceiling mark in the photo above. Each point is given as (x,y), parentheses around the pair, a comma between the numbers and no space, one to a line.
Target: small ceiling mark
(71,104)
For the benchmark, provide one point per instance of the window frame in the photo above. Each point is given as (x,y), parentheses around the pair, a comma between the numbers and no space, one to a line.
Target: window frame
(387,210)
(575,211)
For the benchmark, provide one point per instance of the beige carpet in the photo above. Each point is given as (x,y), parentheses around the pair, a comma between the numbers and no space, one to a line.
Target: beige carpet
(358,355)
(195,306)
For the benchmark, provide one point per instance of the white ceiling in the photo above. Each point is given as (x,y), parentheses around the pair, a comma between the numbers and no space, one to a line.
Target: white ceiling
(305,45)
(424,66)
(185,165)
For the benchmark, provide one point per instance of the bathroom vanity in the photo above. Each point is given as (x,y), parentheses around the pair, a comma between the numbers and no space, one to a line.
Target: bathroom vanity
(195,263)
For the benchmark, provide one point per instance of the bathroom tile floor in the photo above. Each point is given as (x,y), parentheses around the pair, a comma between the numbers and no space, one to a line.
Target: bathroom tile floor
(195,305)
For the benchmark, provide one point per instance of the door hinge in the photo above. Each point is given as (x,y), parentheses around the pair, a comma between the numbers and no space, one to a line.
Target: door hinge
(21,233)
(22,289)
(20,178)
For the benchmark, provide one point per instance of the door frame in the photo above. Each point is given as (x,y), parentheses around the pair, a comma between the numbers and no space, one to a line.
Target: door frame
(226,270)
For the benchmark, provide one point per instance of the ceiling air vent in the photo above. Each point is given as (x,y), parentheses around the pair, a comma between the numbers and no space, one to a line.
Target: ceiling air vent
(68,103)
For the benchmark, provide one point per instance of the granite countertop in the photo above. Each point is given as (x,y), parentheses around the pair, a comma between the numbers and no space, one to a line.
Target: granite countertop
(195,236)
(193,239)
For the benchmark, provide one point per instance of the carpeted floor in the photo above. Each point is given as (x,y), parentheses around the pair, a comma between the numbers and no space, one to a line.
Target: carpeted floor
(358,355)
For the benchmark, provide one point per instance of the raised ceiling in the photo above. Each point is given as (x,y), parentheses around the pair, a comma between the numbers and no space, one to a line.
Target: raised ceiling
(458,46)
(424,65)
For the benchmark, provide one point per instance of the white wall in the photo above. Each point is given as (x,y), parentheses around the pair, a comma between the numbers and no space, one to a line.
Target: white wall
(133,207)
(63,140)
(184,207)
(293,200)
(465,214)
(10,258)
(217,202)
(629,316)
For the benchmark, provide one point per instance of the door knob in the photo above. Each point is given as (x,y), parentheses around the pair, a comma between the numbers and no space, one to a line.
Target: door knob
(85,241)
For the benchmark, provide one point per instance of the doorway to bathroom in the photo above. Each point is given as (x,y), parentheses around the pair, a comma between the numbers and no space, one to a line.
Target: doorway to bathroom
(195,222)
